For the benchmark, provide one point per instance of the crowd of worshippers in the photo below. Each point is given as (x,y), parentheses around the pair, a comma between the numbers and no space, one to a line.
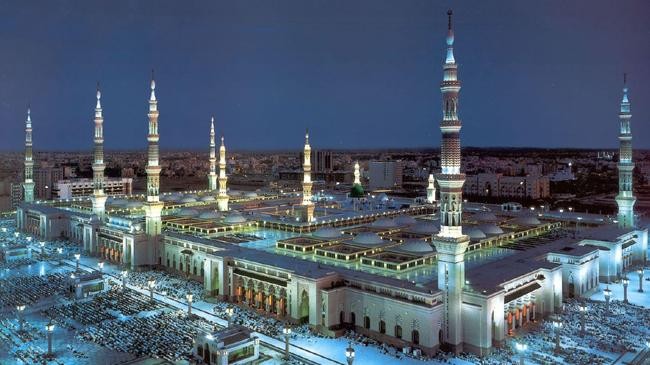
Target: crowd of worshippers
(27,290)
(167,284)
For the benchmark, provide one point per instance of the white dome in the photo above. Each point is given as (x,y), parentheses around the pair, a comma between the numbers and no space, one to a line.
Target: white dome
(133,204)
(167,198)
(209,214)
(188,212)
(405,220)
(490,228)
(327,232)
(188,199)
(384,223)
(207,198)
(234,193)
(234,218)
(474,233)
(250,194)
(485,217)
(425,228)
(382,197)
(416,246)
(368,238)
(527,220)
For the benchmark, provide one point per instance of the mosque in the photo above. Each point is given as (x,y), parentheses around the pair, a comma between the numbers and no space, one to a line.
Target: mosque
(427,273)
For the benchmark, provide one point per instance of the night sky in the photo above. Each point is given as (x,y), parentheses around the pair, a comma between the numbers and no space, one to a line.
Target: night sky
(358,74)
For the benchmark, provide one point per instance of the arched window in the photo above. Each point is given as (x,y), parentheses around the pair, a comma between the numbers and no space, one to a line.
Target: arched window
(366,322)
(382,326)
(398,331)
(353,318)
(415,337)
(342,317)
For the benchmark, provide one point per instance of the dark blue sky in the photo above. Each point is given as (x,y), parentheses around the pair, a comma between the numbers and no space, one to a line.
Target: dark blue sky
(357,73)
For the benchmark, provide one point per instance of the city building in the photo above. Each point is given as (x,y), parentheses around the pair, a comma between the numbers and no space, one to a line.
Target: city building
(497,185)
(385,174)
(74,188)
(230,346)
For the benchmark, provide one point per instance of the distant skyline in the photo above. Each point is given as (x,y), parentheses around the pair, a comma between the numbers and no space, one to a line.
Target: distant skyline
(358,74)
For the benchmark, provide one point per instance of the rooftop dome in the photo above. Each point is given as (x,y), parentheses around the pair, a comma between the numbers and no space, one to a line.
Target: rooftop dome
(357,191)
(188,212)
(327,232)
(527,220)
(188,199)
(250,194)
(234,193)
(209,214)
(485,217)
(490,228)
(119,202)
(206,198)
(426,228)
(234,218)
(382,197)
(384,223)
(405,220)
(166,198)
(133,204)
(416,246)
(367,238)
(474,233)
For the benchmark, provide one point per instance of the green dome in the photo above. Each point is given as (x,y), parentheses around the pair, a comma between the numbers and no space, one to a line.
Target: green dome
(357,191)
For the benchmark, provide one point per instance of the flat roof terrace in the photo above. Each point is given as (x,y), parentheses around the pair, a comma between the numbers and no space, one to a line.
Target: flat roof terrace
(304,244)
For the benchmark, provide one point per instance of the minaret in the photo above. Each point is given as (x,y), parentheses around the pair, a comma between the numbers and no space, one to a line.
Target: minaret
(357,174)
(306,182)
(99,198)
(450,242)
(222,198)
(431,190)
(28,185)
(212,176)
(625,198)
(153,206)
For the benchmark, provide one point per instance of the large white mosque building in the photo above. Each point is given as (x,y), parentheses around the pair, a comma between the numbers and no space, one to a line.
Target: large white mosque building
(438,274)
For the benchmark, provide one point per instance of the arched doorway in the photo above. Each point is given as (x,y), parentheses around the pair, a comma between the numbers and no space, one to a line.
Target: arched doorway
(304,307)
(441,338)
(206,354)
(342,317)
(398,331)
(366,322)
(353,318)
(415,337)
(382,327)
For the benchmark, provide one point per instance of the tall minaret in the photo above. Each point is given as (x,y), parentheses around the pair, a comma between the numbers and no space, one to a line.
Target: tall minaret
(625,198)
(357,174)
(222,198)
(153,206)
(306,182)
(99,198)
(212,176)
(431,190)
(28,185)
(450,242)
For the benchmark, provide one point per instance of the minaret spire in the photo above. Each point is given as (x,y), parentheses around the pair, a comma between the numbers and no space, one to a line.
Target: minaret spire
(98,198)
(212,176)
(357,174)
(431,190)
(28,184)
(222,198)
(153,206)
(306,182)
(625,198)
(450,242)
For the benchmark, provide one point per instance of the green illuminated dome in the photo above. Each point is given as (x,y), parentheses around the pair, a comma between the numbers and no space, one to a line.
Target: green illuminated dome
(357,191)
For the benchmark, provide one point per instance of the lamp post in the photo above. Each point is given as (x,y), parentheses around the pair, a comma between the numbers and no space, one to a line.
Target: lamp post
(77,257)
(49,327)
(101,266)
(124,275)
(625,282)
(557,324)
(42,249)
(189,303)
(521,347)
(349,354)
(607,293)
(20,308)
(287,332)
(230,311)
(582,307)
(640,272)
(152,284)
(59,252)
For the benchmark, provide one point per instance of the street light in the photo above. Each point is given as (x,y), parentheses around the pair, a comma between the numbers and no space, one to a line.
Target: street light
(521,347)
(49,327)
(582,307)
(557,324)
(59,251)
(625,282)
(640,272)
(607,293)
(42,248)
(152,284)
(189,304)
(101,266)
(287,332)
(349,353)
(230,312)
(20,308)
(124,275)
(77,257)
